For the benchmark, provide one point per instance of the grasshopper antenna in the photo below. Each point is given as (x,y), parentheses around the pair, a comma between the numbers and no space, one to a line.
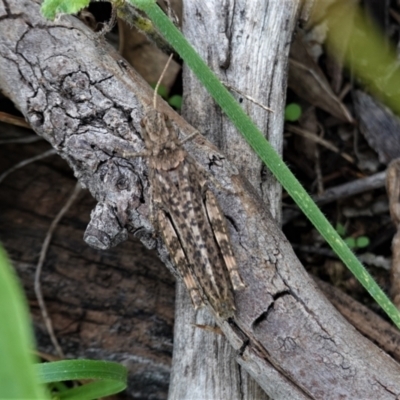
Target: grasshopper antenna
(159,81)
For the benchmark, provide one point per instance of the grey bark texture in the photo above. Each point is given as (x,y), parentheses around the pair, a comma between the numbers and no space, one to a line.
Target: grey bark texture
(83,98)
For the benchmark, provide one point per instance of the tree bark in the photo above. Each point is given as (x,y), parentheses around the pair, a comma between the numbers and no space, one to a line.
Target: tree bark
(82,97)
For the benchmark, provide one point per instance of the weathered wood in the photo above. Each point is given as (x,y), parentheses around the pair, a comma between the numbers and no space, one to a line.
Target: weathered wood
(80,96)
(371,325)
(250,56)
(246,45)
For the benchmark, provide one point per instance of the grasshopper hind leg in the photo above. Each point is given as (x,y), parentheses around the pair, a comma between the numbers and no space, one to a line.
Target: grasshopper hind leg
(217,221)
(179,258)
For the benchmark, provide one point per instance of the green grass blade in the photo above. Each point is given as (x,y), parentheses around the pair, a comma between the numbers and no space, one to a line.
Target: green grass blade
(110,377)
(265,151)
(69,370)
(17,375)
(93,390)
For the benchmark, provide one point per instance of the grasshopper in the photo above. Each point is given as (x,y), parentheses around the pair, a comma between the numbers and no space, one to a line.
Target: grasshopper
(188,217)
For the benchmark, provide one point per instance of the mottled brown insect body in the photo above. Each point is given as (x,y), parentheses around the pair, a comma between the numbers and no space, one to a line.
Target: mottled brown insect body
(189,219)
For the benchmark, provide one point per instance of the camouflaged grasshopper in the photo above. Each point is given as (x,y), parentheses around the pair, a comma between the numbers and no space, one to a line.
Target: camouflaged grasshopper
(188,217)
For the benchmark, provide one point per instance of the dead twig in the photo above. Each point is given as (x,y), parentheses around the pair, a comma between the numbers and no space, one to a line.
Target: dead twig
(339,192)
(317,139)
(14,120)
(393,191)
(247,97)
(22,140)
(39,267)
(358,186)
(26,162)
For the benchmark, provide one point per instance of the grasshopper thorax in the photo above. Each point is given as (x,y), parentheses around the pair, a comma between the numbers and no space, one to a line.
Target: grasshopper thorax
(160,137)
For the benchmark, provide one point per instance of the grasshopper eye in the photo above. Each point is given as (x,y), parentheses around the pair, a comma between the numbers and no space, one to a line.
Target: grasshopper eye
(142,124)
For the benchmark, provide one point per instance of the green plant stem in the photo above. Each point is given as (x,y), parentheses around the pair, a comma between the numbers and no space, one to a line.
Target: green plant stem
(266,152)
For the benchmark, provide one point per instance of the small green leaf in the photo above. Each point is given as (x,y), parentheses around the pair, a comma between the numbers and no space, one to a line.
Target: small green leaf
(351,242)
(51,8)
(162,90)
(340,229)
(362,241)
(292,112)
(175,101)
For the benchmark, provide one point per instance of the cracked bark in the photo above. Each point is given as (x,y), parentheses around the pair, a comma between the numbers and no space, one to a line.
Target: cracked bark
(81,97)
